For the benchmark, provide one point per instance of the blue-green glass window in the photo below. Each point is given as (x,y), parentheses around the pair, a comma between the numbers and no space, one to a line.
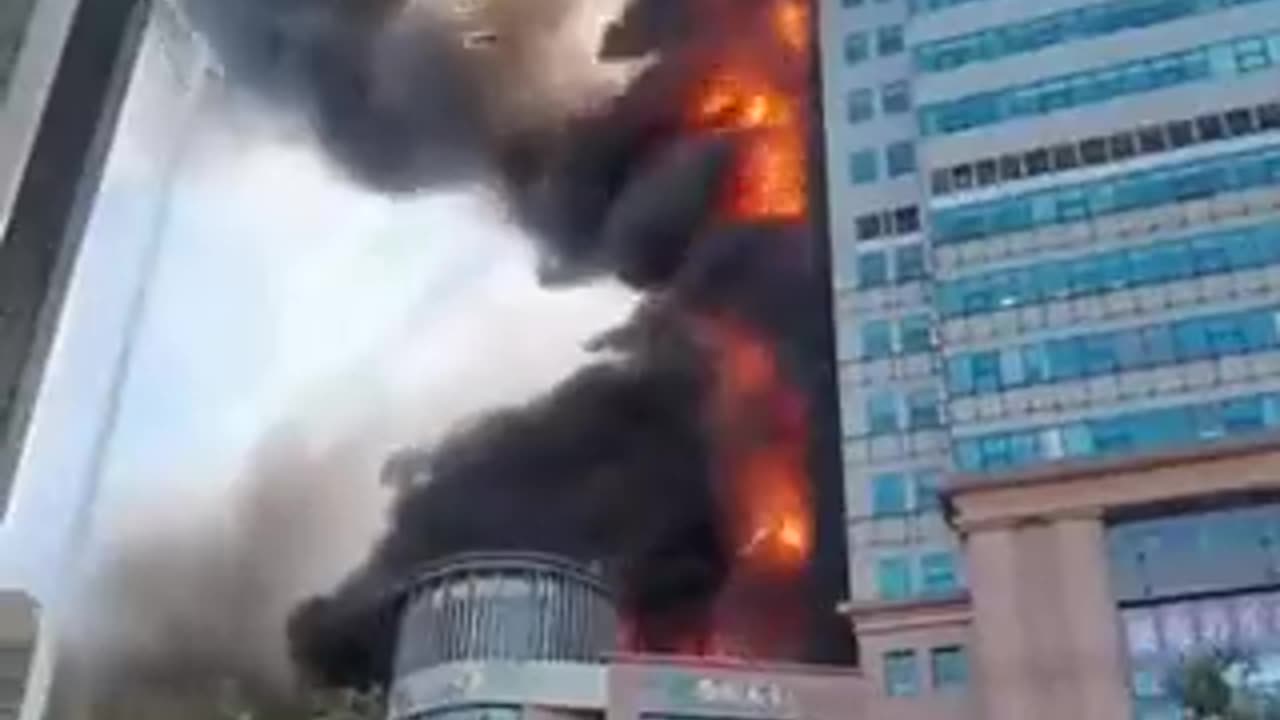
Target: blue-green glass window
(895,97)
(1252,54)
(1209,256)
(1116,435)
(900,158)
(928,489)
(960,375)
(995,451)
(1134,432)
(1130,353)
(924,409)
(1013,368)
(1099,354)
(864,167)
(1065,359)
(882,412)
(1228,334)
(890,40)
(860,105)
(1191,341)
(1241,56)
(968,455)
(1242,415)
(877,339)
(938,573)
(974,373)
(873,270)
(888,494)
(917,334)
(949,667)
(1094,354)
(901,674)
(856,48)
(893,578)
(910,264)
(1160,186)
(1085,277)
(985,369)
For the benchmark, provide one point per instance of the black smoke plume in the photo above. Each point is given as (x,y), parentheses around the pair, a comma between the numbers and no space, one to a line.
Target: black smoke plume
(616,463)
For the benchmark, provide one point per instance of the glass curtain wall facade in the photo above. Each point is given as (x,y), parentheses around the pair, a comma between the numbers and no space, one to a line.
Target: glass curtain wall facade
(1054,232)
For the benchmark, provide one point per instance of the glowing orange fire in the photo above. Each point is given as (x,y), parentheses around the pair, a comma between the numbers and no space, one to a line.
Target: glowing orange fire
(762,423)
(756,93)
(791,23)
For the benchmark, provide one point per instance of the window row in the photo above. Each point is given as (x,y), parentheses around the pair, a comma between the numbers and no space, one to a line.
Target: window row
(889,40)
(914,334)
(1219,60)
(888,223)
(1080,23)
(1141,431)
(1164,262)
(899,160)
(871,268)
(860,103)
(948,671)
(896,493)
(1178,554)
(897,578)
(1148,189)
(1106,353)
(921,7)
(889,411)
(1103,150)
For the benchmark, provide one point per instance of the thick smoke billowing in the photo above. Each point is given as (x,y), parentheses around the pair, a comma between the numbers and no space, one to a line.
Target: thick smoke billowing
(407,97)
(616,464)
(185,600)
(390,87)
(610,466)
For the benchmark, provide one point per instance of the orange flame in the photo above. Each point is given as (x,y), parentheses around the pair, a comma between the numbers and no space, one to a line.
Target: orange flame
(791,23)
(756,92)
(761,422)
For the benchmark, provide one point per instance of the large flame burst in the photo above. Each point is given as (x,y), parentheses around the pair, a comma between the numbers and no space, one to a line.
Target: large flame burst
(757,90)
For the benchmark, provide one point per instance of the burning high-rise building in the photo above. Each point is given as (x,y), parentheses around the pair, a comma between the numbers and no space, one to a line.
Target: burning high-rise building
(697,460)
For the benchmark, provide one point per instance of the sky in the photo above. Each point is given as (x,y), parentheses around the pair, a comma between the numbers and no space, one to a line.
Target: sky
(278,294)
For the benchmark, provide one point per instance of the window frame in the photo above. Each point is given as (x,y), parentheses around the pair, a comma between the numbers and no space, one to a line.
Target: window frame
(894,37)
(900,159)
(864,166)
(938,680)
(901,670)
(860,105)
(895,97)
(894,581)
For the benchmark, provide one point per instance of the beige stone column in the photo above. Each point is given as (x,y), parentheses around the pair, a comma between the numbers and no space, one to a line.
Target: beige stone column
(1002,656)
(1090,620)
(1048,640)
